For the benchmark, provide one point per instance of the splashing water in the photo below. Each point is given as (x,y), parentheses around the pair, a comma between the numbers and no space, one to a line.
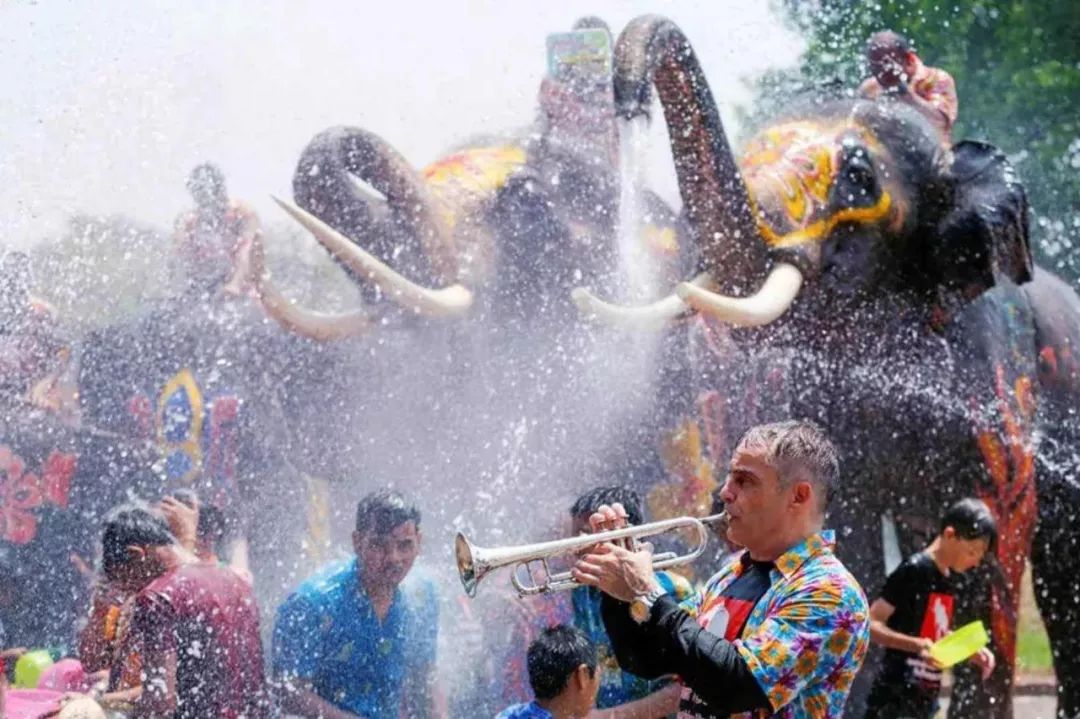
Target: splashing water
(636,267)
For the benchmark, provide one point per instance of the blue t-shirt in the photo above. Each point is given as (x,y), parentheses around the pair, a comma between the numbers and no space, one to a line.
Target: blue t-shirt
(532,710)
(618,686)
(327,633)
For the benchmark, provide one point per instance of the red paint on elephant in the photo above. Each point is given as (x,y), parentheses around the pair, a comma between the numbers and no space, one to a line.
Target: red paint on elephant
(21,492)
(1008,452)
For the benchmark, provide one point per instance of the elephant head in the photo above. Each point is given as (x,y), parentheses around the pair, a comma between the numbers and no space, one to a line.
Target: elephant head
(841,200)
(519,221)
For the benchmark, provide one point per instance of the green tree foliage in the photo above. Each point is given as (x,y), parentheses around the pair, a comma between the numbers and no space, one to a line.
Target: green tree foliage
(1017,69)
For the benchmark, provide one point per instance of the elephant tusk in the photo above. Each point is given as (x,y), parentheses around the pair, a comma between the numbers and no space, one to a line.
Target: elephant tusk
(650,316)
(319,326)
(774,298)
(451,301)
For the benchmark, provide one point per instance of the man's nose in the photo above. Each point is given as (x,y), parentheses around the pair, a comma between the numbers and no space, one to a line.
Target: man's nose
(727,493)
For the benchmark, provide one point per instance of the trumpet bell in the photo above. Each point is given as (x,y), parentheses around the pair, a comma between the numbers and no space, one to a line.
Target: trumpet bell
(468,571)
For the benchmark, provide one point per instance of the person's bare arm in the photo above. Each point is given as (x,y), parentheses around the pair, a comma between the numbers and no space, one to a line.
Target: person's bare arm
(661,703)
(301,699)
(96,636)
(881,634)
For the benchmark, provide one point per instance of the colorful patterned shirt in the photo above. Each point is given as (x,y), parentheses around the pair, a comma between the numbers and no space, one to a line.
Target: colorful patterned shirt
(805,639)
(932,84)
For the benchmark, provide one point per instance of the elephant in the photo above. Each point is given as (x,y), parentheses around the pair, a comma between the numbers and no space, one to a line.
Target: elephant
(465,269)
(852,270)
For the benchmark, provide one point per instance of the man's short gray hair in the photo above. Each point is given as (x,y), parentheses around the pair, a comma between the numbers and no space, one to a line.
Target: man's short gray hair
(798,444)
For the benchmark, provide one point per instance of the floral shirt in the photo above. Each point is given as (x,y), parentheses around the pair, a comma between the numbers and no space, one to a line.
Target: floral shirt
(805,639)
(932,84)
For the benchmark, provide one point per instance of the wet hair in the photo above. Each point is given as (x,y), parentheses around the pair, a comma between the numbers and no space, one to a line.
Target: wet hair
(888,41)
(554,657)
(971,519)
(798,444)
(382,511)
(589,502)
(205,181)
(128,525)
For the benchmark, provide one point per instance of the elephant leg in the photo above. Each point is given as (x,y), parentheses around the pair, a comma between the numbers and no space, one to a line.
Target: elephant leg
(1057,587)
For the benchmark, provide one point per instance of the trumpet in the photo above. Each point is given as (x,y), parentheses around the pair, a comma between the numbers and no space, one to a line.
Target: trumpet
(474,563)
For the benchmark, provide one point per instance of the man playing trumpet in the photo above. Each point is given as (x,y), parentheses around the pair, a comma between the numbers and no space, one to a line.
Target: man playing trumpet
(783,627)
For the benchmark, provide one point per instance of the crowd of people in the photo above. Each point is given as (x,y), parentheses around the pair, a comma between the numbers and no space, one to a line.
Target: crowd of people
(781,628)
(174,628)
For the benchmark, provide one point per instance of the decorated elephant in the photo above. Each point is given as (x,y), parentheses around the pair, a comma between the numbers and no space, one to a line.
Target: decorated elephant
(854,271)
(466,267)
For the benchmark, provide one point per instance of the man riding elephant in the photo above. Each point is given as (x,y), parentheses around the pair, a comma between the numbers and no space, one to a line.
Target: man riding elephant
(852,272)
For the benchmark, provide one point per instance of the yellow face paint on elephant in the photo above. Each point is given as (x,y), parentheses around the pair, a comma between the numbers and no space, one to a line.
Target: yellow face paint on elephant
(791,171)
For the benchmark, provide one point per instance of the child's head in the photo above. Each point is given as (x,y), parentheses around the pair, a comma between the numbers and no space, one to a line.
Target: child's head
(562,664)
(968,531)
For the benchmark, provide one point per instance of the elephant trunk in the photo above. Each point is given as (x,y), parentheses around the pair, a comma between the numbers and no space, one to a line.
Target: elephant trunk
(652,51)
(405,226)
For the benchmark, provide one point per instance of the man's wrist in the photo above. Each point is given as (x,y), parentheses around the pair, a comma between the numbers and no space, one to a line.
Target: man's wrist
(642,607)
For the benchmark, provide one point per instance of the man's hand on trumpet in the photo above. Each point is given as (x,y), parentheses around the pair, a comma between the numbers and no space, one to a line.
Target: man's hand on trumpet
(615,570)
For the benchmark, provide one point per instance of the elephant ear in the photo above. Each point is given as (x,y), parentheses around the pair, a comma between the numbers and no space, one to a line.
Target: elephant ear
(983,238)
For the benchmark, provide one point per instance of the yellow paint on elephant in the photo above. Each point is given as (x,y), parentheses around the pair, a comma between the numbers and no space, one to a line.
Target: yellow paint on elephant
(476,170)
(660,241)
(468,177)
(790,170)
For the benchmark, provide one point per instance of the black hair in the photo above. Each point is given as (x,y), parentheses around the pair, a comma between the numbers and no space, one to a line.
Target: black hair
(888,40)
(554,657)
(131,525)
(384,510)
(208,178)
(970,518)
(589,502)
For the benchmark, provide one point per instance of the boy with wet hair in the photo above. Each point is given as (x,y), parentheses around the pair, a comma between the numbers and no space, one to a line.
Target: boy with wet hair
(359,638)
(915,609)
(564,674)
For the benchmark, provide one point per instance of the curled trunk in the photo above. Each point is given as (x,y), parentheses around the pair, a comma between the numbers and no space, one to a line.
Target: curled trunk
(404,228)
(652,51)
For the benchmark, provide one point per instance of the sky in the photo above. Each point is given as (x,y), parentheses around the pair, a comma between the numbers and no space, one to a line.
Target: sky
(107,105)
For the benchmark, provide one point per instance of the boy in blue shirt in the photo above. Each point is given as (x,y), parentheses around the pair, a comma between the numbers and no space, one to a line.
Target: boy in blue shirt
(564,675)
(358,639)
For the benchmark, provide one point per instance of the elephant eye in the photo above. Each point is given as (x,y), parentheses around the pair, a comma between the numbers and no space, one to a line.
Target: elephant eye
(856,183)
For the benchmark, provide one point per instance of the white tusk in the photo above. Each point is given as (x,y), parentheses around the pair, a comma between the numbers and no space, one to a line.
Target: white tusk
(650,316)
(451,301)
(319,326)
(766,305)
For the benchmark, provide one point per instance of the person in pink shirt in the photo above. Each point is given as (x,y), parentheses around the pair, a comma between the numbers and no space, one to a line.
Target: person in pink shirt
(896,70)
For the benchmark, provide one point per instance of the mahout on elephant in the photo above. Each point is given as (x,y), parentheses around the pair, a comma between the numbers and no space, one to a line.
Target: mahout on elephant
(854,271)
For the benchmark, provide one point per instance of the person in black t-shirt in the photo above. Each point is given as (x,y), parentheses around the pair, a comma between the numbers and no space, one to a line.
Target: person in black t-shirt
(915,609)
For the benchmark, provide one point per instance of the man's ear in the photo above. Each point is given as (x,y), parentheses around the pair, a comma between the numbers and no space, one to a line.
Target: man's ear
(802,493)
(582,677)
(135,553)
